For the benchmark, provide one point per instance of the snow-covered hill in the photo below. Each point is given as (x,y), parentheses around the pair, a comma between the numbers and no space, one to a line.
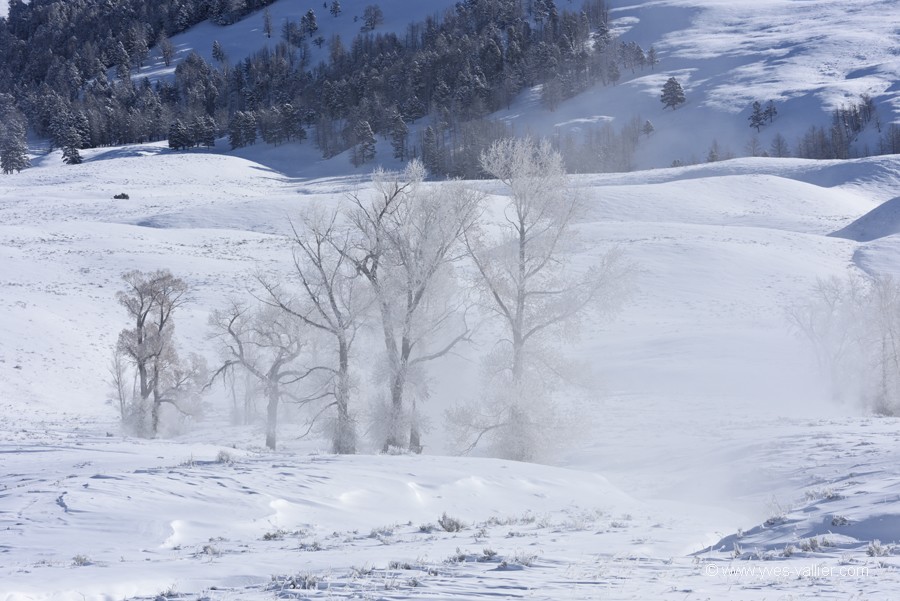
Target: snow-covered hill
(705,416)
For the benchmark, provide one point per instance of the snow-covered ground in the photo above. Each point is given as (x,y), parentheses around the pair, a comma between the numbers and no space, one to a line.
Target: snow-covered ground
(712,464)
(706,419)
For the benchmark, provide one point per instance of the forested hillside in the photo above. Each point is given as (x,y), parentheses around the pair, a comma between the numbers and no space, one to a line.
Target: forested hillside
(441,87)
(455,69)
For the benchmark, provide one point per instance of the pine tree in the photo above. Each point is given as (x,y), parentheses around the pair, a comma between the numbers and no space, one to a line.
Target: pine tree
(165,47)
(218,53)
(335,9)
(672,94)
(364,151)
(431,151)
(308,23)
(647,129)
(70,141)
(208,132)
(267,23)
(13,146)
(399,134)
(771,111)
(652,58)
(179,135)
(757,117)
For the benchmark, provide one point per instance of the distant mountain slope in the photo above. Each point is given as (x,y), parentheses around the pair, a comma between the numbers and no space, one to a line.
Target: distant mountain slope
(809,58)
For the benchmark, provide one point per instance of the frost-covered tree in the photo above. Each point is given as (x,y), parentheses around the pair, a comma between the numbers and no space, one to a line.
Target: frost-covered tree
(13,145)
(405,245)
(364,151)
(267,343)
(165,47)
(399,135)
(218,53)
(150,300)
(329,300)
(179,136)
(308,23)
(672,93)
(335,8)
(529,285)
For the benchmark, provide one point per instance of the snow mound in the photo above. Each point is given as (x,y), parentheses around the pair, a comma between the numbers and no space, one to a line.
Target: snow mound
(882,221)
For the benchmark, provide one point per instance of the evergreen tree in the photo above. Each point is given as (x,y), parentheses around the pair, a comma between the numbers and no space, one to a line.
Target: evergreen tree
(335,9)
(71,156)
(757,117)
(267,23)
(652,58)
(364,151)
(672,93)
(431,151)
(308,23)
(647,129)
(207,132)
(399,134)
(179,136)
(242,129)
(165,47)
(218,53)
(13,146)
(771,111)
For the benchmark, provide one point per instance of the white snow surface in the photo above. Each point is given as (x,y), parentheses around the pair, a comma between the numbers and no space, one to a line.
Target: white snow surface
(710,456)
(705,419)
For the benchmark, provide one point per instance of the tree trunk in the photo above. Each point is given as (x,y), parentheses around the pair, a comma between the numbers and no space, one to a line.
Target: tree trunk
(396,416)
(345,435)
(272,416)
(415,435)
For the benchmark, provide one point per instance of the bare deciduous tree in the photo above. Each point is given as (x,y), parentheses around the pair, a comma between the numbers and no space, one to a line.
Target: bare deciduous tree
(529,285)
(405,243)
(267,343)
(853,325)
(162,378)
(331,302)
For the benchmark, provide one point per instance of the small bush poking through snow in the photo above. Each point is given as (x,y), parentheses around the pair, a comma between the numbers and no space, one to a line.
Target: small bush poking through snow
(303,582)
(121,196)
(225,457)
(81,560)
(274,535)
(876,549)
(450,524)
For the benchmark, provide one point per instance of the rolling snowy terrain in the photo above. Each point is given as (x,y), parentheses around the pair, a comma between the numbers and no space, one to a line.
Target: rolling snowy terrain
(707,414)
(711,461)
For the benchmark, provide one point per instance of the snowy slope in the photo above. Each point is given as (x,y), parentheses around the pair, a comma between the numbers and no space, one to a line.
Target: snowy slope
(809,58)
(703,410)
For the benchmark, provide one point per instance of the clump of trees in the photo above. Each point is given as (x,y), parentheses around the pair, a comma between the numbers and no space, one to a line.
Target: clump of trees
(853,325)
(413,268)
